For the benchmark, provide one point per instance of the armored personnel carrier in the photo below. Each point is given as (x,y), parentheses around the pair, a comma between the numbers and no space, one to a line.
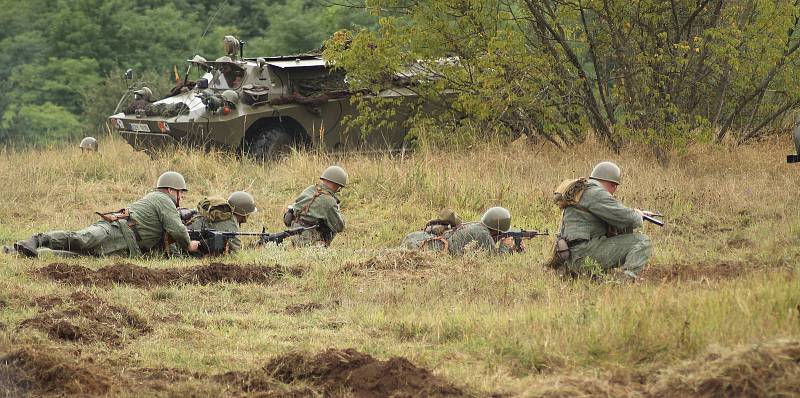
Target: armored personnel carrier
(260,107)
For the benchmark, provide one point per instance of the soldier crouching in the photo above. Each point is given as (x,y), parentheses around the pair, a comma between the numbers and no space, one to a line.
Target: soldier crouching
(141,228)
(318,205)
(600,228)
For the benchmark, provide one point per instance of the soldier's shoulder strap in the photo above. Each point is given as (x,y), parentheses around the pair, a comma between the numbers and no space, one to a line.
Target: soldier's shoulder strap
(317,194)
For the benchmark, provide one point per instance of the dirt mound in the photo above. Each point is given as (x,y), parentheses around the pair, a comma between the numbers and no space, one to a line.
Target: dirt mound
(392,260)
(86,318)
(771,369)
(29,371)
(364,375)
(57,372)
(135,275)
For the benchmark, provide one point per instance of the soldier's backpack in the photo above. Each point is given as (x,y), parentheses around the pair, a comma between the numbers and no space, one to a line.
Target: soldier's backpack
(446,220)
(569,192)
(215,209)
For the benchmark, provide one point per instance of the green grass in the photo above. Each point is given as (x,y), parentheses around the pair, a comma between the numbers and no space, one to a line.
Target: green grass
(488,324)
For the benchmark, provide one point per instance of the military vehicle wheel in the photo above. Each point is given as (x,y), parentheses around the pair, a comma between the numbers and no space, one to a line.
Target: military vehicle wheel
(271,143)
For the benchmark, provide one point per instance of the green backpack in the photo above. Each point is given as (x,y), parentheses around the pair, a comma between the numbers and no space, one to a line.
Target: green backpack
(215,209)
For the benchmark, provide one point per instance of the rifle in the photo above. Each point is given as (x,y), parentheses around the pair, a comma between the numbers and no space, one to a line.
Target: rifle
(278,237)
(215,243)
(654,220)
(520,235)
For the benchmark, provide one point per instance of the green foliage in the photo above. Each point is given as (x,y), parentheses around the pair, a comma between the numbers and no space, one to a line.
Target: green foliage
(661,73)
(44,124)
(56,55)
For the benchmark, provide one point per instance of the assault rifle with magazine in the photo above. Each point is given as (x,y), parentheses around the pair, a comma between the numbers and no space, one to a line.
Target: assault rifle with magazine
(215,243)
(519,235)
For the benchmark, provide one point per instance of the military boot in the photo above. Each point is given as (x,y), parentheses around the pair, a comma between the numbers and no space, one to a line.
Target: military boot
(28,247)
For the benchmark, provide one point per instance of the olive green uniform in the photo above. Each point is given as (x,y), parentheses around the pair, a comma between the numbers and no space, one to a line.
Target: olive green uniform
(151,217)
(317,205)
(601,228)
(468,236)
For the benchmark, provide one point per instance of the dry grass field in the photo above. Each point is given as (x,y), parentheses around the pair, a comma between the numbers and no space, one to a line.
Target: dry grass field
(717,314)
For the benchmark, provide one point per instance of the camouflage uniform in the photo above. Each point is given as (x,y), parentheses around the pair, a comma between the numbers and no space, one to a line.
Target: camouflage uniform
(468,236)
(317,204)
(152,216)
(601,228)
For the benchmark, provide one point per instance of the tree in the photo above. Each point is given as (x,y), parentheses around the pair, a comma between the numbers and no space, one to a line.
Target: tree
(660,72)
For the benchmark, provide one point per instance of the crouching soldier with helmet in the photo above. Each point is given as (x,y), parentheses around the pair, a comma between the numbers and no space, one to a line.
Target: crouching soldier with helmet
(596,226)
(476,236)
(223,215)
(140,228)
(318,205)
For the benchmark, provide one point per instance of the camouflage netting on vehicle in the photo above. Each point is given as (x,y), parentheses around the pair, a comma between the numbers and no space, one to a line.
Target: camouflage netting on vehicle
(163,110)
(314,86)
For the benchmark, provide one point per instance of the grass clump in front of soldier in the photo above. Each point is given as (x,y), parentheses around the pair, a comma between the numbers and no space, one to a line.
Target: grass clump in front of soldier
(721,276)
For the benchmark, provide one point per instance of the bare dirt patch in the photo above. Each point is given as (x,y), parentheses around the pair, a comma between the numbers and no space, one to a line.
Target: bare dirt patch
(135,275)
(364,375)
(51,371)
(28,371)
(87,319)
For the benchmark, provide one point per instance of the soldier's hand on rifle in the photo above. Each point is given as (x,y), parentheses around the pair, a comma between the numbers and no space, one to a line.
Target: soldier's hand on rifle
(194,246)
(643,213)
(507,242)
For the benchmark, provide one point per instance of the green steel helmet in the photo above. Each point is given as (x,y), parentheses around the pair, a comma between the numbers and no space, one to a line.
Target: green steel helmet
(230,96)
(171,179)
(335,174)
(497,219)
(89,143)
(143,93)
(243,203)
(607,171)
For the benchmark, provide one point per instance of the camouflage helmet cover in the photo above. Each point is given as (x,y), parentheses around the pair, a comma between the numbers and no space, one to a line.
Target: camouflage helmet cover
(243,203)
(171,179)
(497,219)
(231,45)
(197,59)
(335,174)
(144,93)
(607,171)
(89,143)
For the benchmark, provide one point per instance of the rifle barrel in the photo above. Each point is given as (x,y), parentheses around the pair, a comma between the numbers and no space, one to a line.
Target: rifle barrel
(653,220)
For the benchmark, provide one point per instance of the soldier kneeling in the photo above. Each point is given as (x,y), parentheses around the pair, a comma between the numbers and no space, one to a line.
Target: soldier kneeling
(318,205)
